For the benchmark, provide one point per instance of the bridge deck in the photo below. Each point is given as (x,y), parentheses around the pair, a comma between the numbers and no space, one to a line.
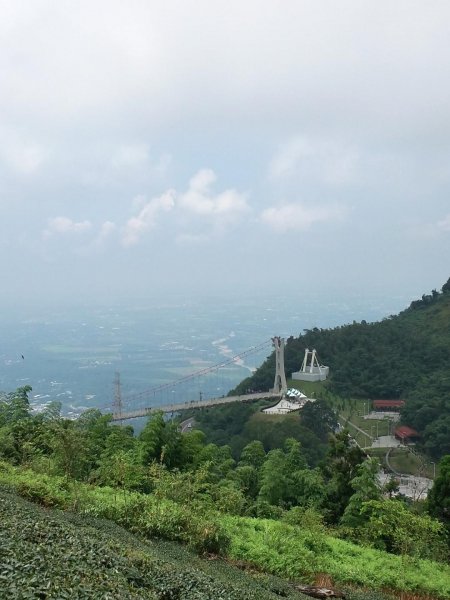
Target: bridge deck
(168,408)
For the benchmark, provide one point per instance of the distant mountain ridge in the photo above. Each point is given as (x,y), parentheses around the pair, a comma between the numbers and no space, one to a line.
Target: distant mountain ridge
(403,356)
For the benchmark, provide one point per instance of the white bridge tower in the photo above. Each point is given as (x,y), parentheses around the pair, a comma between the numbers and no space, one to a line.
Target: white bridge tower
(279,385)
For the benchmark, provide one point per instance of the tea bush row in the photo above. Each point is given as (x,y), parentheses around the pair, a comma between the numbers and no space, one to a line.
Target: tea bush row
(275,547)
(52,555)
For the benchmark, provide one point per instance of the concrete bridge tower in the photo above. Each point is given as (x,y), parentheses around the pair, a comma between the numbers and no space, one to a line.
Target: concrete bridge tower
(279,385)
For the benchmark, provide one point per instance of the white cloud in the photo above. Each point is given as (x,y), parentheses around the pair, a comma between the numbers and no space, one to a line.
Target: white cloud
(321,159)
(130,155)
(199,198)
(147,217)
(23,156)
(138,156)
(192,238)
(444,224)
(197,203)
(105,233)
(421,230)
(288,157)
(64,225)
(296,217)
(106,230)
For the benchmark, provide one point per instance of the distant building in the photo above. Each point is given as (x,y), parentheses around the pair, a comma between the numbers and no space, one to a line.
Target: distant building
(287,405)
(294,393)
(311,369)
(388,405)
(406,434)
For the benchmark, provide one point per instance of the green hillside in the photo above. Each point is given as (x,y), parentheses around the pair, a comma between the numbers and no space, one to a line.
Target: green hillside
(52,554)
(403,356)
(47,553)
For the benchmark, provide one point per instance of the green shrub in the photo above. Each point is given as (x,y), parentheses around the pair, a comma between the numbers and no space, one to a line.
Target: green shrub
(43,490)
(306,518)
(264,510)
(210,538)
(172,521)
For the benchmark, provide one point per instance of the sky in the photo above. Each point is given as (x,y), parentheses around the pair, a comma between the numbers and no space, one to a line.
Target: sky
(178,147)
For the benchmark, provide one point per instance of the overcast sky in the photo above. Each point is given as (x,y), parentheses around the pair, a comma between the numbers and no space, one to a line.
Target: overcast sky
(152,147)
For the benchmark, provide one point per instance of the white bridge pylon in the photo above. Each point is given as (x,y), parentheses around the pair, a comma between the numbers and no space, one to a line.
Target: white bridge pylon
(279,384)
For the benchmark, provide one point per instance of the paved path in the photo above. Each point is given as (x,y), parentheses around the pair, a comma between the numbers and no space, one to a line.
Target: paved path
(410,486)
(187,425)
(386,441)
(355,427)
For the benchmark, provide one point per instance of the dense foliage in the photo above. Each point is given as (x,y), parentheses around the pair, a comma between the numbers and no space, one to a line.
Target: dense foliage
(183,488)
(295,547)
(236,425)
(404,356)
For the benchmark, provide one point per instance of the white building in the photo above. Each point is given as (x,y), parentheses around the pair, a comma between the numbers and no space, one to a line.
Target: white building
(293,400)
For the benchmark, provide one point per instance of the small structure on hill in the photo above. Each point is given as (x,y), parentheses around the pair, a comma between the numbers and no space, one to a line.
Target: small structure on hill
(311,369)
(295,394)
(406,434)
(292,400)
(388,405)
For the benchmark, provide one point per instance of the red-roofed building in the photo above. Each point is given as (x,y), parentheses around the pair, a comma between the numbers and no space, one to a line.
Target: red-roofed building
(405,434)
(388,405)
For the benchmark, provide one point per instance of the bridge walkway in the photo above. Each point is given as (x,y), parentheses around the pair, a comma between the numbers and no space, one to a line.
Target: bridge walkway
(175,407)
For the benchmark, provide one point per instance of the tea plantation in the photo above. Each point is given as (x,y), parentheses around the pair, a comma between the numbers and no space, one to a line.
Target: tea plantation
(50,554)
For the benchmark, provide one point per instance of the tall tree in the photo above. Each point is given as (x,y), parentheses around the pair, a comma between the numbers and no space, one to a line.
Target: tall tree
(162,441)
(339,468)
(366,487)
(15,406)
(274,478)
(439,496)
(253,455)
(319,418)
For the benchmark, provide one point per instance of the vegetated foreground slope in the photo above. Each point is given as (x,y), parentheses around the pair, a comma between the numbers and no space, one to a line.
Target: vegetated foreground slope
(82,557)
(404,356)
(50,554)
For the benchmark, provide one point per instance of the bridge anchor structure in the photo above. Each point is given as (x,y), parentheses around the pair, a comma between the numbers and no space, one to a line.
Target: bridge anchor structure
(311,369)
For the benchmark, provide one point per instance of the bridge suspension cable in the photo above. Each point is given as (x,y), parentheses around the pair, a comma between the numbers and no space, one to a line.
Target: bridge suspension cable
(201,372)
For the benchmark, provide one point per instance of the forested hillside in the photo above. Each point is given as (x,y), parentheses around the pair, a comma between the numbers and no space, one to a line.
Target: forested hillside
(403,356)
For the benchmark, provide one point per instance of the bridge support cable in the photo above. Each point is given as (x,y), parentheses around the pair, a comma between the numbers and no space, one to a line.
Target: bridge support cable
(192,377)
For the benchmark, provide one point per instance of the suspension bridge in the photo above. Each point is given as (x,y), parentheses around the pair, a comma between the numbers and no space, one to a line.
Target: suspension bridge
(144,403)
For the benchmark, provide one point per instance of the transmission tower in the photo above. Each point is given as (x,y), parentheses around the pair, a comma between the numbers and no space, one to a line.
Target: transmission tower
(117,407)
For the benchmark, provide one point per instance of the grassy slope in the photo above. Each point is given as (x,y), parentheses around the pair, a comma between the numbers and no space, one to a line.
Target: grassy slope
(273,547)
(286,551)
(52,554)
